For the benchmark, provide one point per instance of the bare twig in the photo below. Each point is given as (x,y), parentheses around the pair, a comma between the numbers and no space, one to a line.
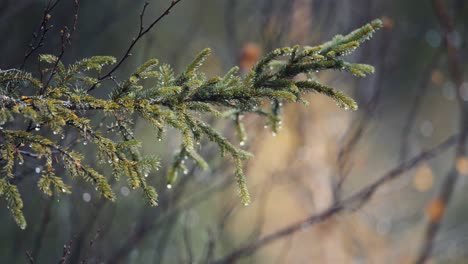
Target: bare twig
(30,257)
(66,37)
(91,243)
(40,34)
(141,32)
(352,203)
(66,252)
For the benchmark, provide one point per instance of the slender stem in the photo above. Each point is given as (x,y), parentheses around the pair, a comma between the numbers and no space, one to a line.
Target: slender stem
(141,32)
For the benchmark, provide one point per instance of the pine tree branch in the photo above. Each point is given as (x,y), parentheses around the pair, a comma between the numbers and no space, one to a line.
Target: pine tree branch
(174,100)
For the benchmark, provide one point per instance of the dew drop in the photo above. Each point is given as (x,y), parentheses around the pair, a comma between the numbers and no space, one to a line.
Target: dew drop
(20,162)
(62,137)
(273,134)
(169,186)
(159,139)
(125,191)
(109,161)
(38,128)
(55,132)
(242,143)
(63,190)
(85,142)
(86,197)
(38,169)
(116,159)
(246,204)
(185,172)
(265,126)
(146,175)
(1,128)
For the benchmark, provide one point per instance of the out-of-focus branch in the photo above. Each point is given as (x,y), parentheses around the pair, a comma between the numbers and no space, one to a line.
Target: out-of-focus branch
(415,104)
(145,228)
(188,241)
(43,228)
(30,258)
(352,203)
(445,193)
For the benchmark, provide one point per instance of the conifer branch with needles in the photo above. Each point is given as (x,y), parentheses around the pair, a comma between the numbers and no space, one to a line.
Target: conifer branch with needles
(172,99)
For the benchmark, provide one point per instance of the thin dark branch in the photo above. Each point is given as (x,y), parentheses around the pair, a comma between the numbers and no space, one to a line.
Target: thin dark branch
(141,32)
(40,34)
(63,34)
(66,252)
(66,37)
(30,258)
(91,243)
(352,203)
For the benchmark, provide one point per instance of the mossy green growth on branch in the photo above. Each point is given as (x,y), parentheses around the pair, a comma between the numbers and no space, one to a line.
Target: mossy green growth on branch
(63,107)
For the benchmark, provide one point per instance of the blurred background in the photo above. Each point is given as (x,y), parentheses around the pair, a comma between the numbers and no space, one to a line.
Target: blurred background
(321,154)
